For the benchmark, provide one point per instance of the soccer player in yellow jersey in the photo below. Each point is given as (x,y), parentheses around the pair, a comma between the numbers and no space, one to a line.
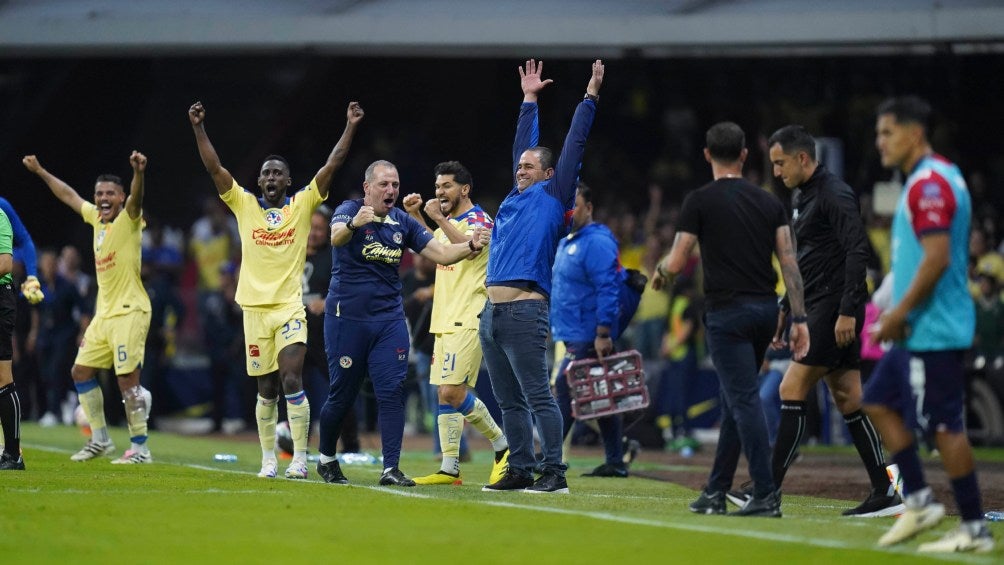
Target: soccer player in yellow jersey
(458,298)
(116,335)
(273,231)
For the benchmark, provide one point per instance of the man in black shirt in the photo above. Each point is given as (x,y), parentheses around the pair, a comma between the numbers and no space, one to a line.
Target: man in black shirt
(832,251)
(739,225)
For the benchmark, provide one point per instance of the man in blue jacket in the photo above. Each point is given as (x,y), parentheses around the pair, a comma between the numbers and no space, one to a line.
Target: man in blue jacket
(514,323)
(585,296)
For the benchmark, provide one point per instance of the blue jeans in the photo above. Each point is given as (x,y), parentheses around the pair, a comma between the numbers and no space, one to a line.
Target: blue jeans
(514,342)
(611,427)
(738,336)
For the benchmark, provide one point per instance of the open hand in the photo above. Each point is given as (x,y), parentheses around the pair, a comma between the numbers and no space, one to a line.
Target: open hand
(596,80)
(529,78)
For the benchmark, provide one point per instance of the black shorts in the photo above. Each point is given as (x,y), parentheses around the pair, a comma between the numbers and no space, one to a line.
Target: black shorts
(8,308)
(823,350)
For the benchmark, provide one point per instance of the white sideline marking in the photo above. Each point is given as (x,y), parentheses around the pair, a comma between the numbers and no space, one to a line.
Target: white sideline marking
(603,516)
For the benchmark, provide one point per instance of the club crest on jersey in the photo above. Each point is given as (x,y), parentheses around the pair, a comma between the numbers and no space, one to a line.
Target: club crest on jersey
(398,238)
(273,218)
(255,365)
(100,238)
(345,362)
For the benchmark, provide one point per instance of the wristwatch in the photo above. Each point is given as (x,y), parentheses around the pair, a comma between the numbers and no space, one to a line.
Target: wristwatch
(594,97)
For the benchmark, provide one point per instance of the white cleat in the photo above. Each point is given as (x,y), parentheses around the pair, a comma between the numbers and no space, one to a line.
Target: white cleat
(133,457)
(960,540)
(913,521)
(297,469)
(269,468)
(93,449)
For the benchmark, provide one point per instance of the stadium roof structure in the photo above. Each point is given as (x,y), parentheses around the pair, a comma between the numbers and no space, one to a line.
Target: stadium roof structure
(499,28)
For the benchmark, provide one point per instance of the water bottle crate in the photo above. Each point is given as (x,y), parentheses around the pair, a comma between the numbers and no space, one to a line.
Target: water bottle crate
(611,386)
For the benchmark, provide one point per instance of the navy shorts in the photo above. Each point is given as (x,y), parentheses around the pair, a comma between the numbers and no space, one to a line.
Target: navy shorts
(8,311)
(823,350)
(927,388)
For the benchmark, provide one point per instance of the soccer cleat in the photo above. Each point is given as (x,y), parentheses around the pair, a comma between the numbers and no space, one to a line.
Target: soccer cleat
(960,540)
(439,478)
(332,473)
(500,467)
(913,521)
(742,495)
(766,507)
(709,503)
(393,477)
(547,483)
(509,481)
(607,470)
(269,468)
(9,463)
(877,504)
(93,449)
(133,457)
(297,469)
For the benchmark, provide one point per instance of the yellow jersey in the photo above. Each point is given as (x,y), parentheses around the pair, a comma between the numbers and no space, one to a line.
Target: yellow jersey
(117,252)
(460,292)
(273,246)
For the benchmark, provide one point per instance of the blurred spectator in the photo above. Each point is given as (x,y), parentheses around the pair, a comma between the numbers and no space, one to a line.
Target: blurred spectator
(161,267)
(983,259)
(223,324)
(989,338)
(679,346)
(60,330)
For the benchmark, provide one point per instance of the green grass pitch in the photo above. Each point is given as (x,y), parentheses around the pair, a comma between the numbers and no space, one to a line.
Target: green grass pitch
(185,508)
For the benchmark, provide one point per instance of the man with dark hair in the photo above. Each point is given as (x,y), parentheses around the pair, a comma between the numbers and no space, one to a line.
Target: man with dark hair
(364,321)
(514,322)
(458,298)
(832,251)
(274,231)
(921,381)
(739,225)
(116,336)
(586,314)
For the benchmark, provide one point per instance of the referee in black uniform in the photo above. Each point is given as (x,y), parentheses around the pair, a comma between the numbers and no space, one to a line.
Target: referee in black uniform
(739,225)
(832,251)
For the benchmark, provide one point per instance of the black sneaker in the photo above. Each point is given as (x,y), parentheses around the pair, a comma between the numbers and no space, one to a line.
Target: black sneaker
(8,463)
(876,505)
(549,482)
(395,478)
(709,503)
(766,507)
(332,473)
(742,495)
(509,481)
(607,470)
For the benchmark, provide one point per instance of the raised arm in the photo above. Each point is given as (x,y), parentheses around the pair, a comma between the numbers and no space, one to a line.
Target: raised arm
(413,205)
(433,209)
(134,203)
(566,170)
(785,250)
(221,177)
(352,118)
(60,189)
(527,126)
